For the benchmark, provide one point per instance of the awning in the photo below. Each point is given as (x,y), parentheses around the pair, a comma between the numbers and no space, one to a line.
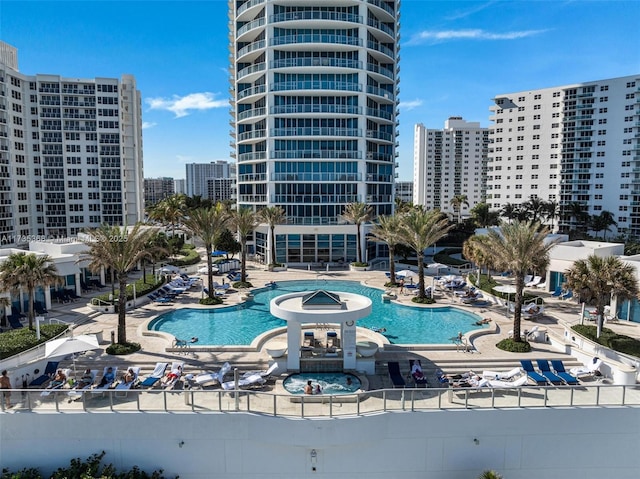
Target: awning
(67,268)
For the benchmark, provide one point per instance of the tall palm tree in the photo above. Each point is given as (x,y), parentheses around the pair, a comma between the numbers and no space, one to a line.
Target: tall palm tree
(551,211)
(484,216)
(272,216)
(578,211)
(387,230)
(603,277)
(170,211)
(509,211)
(602,222)
(22,271)
(419,230)
(245,221)
(519,247)
(473,251)
(457,202)
(535,207)
(207,224)
(357,213)
(121,250)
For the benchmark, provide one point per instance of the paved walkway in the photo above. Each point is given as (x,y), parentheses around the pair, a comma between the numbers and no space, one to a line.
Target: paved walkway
(482,352)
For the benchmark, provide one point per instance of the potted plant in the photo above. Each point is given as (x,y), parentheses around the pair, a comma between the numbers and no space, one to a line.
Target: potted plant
(358,266)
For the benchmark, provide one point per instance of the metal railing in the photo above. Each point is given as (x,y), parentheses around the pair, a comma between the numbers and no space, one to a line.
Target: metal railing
(359,404)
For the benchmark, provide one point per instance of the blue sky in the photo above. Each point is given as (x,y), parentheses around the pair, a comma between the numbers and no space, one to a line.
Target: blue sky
(455,57)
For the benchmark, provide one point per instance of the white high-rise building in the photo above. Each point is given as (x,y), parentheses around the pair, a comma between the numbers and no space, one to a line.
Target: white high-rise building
(157,189)
(70,153)
(577,145)
(198,175)
(404,191)
(314,111)
(450,163)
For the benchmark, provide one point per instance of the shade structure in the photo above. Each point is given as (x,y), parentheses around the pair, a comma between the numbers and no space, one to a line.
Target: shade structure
(205,270)
(218,253)
(436,265)
(66,346)
(505,288)
(407,274)
(169,269)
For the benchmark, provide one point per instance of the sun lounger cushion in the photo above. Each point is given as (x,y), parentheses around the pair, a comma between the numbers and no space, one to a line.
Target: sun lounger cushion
(531,372)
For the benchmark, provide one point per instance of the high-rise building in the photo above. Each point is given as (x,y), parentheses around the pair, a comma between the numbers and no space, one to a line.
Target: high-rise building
(221,189)
(577,145)
(157,189)
(404,191)
(450,163)
(314,109)
(70,153)
(180,186)
(198,174)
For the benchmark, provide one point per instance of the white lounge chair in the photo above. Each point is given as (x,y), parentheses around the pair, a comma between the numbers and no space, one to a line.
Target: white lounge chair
(50,388)
(77,391)
(155,376)
(174,375)
(502,375)
(202,379)
(592,369)
(123,388)
(100,389)
(265,374)
(534,282)
(250,381)
(497,383)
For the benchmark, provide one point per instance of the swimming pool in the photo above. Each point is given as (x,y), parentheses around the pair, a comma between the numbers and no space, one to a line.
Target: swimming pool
(330,383)
(239,325)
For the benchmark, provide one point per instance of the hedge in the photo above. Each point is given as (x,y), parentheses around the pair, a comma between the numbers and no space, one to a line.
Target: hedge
(19,340)
(610,339)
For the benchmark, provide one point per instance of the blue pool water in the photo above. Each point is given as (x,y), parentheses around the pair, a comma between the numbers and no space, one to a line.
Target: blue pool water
(240,325)
(330,383)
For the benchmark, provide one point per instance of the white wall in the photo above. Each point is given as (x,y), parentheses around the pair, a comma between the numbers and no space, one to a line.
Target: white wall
(527,443)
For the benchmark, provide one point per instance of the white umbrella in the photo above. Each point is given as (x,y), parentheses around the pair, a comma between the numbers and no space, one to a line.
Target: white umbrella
(407,273)
(436,265)
(205,270)
(505,288)
(66,346)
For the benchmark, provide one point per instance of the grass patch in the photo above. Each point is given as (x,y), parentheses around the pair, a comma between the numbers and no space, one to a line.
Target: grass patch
(618,342)
(512,346)
(118,349)
(142,288)
(425,300)
(242,285)
(189,256)
(19,340)
(210,301)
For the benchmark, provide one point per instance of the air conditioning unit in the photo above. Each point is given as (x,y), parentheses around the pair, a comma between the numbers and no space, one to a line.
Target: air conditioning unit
(369,156)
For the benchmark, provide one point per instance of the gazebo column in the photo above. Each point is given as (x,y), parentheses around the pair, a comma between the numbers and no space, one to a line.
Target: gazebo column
(349,344)
(294,331)
(47,298)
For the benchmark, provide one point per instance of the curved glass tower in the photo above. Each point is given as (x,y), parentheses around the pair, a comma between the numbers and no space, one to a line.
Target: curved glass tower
(314,88)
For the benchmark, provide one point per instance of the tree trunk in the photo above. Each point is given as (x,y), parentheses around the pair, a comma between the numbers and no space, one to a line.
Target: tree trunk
(421,290)
(243,257)
(122,309)
(517,313)
(392,264)
(273,247)
(209,248)
(30,313)
(359,246)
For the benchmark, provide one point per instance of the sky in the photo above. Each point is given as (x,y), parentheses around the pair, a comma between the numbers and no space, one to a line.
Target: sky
(455,57)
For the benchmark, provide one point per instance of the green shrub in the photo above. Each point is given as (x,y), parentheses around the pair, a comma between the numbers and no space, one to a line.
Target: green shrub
(242,285)
(19,340)
(425,300)
(210,301)
(445,258)
(189,256)
(609,338)
(359,264)
(512,346)
(118,349)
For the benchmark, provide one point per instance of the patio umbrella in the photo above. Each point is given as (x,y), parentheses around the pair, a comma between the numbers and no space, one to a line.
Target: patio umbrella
(66,346)
(508,289)
(218,253)
(407,274)
(205,270)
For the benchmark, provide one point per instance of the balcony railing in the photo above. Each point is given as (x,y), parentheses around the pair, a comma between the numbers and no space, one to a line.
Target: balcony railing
(316,177)
(327,406)
(315,15)
(319,38)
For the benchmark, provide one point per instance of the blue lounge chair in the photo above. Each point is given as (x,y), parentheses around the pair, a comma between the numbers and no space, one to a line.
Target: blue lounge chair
(394,374)
(558,367)
(527,365)
(49,371)
(545,370)
(567,295)
(14,321)
(557,292)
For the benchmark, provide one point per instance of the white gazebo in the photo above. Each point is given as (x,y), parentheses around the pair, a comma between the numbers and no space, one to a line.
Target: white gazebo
(320,308)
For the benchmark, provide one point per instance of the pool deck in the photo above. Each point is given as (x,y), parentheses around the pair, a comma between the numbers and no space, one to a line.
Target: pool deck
(479,354)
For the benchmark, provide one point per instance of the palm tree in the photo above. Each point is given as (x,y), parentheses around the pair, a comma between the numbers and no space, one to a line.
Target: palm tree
(207,224)
(483,216)
(245,222)
(22,271)
(357,213)
(387,230)
(457,202)
(509,211)
(519,247)
(489,475)
(602,277)
(170,211)
(475,253)
(551,211)
(578,211)
(602,222)
(419,230)
(272,216)
(535,207)
(121,250)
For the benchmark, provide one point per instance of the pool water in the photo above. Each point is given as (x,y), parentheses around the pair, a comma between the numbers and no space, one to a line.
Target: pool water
(330,383)
(240,325)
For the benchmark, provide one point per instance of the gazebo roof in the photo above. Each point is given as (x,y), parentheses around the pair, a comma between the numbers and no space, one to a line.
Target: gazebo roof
(321,298)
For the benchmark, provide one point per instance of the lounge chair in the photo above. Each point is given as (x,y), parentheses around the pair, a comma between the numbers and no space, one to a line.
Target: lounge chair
(538,378)
(49,371)
(557,292)
(332,339)
(157,374)
(502,375)
(14,321)
(498,383)
(527,278)
(534,282)
(419,379)
(78,390)
(203,379)
(558,367)
(567,295)
(545,370)
(309,339)
(252,380)
(52,387)
(394,374)
(123,387)
(592,369)
(101,388)
(174,375)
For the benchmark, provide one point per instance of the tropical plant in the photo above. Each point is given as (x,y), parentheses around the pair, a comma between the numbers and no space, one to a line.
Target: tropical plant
(457,202)
(510,211)
(419,230)
(357,213)
(272,216)
(227,242)
(207,224)
(489,475)
(169,211)
(387,230)
(535,208)
(119,249)
(578,212)
(518,247)
(602,222)
(25,272)
(483,216)
(401,206)
(245,221)
(473,251)
(551,211)
(602,277)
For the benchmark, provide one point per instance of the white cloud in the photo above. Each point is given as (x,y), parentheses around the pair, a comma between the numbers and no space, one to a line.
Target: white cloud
(410,105)
(474,9)
(148,124)
(184,105)
(184,159)
(434,36)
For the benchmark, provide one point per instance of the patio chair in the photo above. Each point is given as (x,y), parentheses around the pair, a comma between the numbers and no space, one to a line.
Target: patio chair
(309,339)
(14,321)
(558,367)
(174,375)
(592,369)
(557,292)
(419,379)
(567,295)
(49,371)
(53,386)
(105,384)
(332,339)
(80,387)
(394,374)
(534,282)
(252,380)
(157,374)
(122,389)
(502,384)
(502,375)
(532,374)
(203,379)
(545,370)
